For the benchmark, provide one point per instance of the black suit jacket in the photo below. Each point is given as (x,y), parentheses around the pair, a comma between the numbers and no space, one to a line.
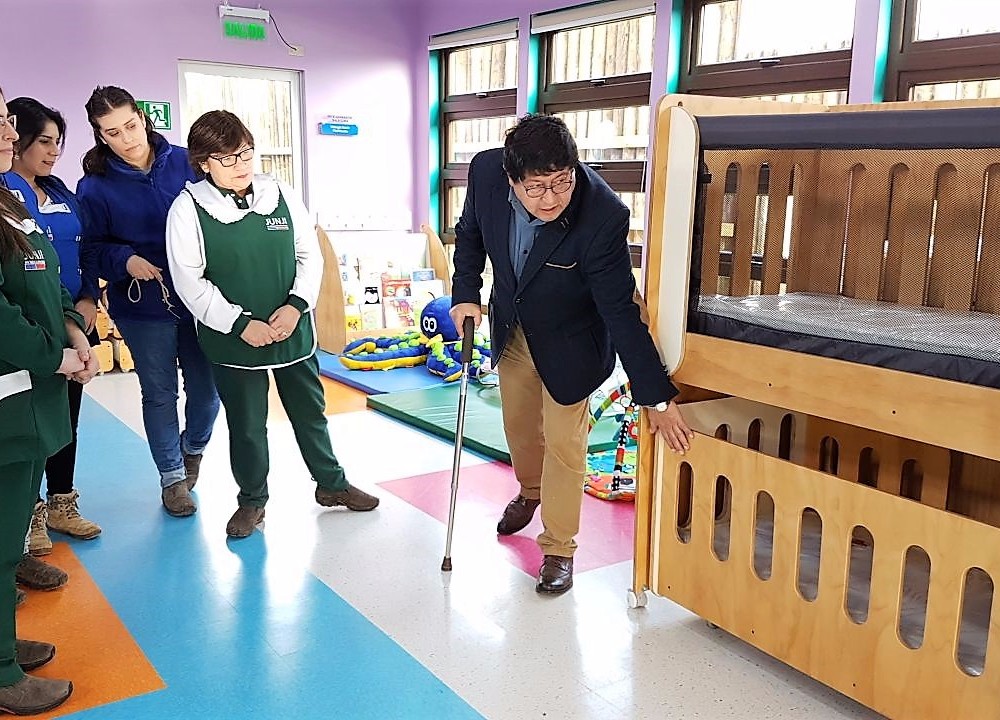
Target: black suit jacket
(575,297)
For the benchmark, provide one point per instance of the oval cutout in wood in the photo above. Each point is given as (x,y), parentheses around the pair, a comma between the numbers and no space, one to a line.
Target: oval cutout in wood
(723,517)
(753,435)
(859,575)
(974,624)
(685,498)
(810,548)
(829,455)
(913,602)
(868,463)
(785,437)
(763,535)
(911,482)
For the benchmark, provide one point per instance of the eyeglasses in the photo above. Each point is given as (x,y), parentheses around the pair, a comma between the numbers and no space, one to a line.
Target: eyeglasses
(558,187)
(230,160)
(9,120)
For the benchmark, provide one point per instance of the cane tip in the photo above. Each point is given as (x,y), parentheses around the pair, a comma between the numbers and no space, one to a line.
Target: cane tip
(446,565)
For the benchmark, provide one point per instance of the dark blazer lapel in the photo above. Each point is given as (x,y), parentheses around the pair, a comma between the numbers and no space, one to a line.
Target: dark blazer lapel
(546,241)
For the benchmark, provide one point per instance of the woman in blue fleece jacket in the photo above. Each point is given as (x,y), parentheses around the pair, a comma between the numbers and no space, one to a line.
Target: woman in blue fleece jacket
(131,177)
(42,132)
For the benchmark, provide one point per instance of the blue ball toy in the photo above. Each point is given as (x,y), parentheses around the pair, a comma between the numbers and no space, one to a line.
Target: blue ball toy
(435,320)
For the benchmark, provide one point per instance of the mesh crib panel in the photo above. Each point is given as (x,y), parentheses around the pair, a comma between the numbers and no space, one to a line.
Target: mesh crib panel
(890,249)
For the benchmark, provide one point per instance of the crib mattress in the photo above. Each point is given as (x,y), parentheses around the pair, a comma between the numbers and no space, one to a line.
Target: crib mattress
(960,346)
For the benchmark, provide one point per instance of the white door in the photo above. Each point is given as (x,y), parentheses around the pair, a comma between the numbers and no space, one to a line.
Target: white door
(267,101)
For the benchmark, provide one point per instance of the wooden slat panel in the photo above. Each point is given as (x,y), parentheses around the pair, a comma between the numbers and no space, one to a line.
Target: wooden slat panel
(746,212)
(715,192)
(956,235)
(331,319)
(909,233)
(779,181)
(825,233)
(804,195)
(938,412)
(988,276)
(865,661)
(869,217)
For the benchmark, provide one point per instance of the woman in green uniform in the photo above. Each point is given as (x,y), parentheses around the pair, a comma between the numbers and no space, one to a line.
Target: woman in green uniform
(246,262)
(43,345)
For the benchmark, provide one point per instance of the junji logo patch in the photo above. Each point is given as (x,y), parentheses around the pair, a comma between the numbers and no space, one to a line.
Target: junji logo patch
(276,223)
(34,261)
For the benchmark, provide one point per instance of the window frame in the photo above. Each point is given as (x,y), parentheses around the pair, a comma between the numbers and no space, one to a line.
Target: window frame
(467,106)
(629,90)
(914,62)
(809,72)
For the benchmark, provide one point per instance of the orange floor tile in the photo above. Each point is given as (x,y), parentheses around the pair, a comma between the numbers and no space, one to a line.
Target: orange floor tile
(90,638)
(339,399)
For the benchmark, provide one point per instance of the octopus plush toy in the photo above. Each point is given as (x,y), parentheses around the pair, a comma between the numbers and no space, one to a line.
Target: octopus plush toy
(436,344)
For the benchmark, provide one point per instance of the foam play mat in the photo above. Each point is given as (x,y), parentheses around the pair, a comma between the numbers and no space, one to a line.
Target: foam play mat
(435,410)
(376,382)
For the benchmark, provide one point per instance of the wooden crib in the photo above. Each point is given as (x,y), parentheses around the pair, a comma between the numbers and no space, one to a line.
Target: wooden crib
(837,514)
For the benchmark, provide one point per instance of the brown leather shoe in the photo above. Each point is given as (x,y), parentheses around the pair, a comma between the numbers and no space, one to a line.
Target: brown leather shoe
(351,497)
(555,576)
(39,575)
(517,515)
(33,695)
(192,468)
(177,500)
(32,654)
(244,520)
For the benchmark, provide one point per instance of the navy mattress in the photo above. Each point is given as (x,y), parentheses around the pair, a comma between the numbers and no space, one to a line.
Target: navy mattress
(960,346)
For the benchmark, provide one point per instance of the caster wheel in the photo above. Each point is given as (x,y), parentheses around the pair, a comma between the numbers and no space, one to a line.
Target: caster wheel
(712,625)
(637,600)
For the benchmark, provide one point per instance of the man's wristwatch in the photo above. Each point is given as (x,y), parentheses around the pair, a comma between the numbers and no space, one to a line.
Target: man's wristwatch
(661,406)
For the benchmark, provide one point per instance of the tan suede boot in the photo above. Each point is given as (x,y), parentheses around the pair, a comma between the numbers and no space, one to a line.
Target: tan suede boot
(64,517)
(39,542)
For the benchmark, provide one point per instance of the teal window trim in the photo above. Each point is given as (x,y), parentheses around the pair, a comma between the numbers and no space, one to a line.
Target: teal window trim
(674,45)
(882,50)
(534,78)
(434,142)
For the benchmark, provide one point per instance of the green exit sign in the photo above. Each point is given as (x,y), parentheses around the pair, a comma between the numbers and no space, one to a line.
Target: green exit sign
(244,30)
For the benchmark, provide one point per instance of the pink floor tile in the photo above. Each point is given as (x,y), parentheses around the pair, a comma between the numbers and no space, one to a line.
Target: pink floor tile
(606,528)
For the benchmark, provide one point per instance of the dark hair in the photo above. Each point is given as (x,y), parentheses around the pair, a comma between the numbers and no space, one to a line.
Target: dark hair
(102,101)
(12,240)
(215,132)
(538,144)
(32,117)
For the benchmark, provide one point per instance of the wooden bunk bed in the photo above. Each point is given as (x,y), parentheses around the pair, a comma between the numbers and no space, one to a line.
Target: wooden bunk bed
(837,513)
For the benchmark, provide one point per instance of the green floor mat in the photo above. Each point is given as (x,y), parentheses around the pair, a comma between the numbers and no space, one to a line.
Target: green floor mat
(435,410)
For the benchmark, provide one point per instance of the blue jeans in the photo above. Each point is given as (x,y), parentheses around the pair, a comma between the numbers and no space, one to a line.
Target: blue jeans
(157,349)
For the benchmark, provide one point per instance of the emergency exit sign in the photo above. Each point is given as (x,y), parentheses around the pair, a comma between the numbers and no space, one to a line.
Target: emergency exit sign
(244,30)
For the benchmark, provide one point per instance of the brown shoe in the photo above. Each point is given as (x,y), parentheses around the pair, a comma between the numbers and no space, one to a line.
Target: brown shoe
(20,597)
(39,575)
(33,695)
(192,466)
(39,542)
(32,654)
(517,515)
(244,520)
(555,576)
(177,500)
(351,497)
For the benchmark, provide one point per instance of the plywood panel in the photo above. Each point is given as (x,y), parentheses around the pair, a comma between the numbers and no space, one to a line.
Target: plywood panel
(938,412)
(956,235)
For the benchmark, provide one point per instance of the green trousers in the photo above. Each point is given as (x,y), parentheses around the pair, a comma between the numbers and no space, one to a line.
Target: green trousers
(19,484)
(244,395)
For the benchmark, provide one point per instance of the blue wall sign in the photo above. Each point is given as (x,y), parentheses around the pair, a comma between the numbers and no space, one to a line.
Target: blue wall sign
(338,128)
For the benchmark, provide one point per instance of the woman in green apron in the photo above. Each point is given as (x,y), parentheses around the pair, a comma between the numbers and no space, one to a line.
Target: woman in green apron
(43,344)
(246,262)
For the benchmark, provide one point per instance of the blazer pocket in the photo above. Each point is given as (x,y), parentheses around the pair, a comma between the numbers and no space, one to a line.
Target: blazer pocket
(14,383)
(560,267)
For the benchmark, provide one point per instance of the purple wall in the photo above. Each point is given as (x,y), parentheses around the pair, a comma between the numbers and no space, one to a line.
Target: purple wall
(357,61)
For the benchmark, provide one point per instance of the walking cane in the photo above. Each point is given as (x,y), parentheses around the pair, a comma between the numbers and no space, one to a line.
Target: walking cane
(468,331)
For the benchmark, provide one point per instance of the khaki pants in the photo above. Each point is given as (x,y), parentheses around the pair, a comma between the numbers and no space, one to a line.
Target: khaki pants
(548,445)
